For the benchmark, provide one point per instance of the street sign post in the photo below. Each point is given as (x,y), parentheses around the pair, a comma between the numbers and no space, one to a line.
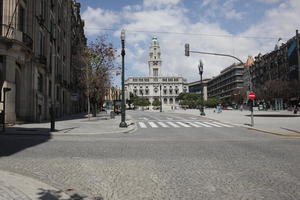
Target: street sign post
(251,96)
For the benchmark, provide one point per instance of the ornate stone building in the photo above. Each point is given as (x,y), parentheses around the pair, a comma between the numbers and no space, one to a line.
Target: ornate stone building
(156,86)
(38,45)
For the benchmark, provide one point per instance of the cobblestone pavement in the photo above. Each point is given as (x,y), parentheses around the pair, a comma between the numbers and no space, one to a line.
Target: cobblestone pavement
(159,163)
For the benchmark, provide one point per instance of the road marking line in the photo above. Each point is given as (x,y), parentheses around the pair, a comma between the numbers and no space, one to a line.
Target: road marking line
(210,123)
(142,125)
(183,124)
(221,124)
(153,125)
(193,118)
(173,124)
(205,125)
(169,118)
(163,124)
(193,124)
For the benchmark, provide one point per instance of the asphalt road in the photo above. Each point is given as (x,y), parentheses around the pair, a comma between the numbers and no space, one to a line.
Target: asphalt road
(170,156)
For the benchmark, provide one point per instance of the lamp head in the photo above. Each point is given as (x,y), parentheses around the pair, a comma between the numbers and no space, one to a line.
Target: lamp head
(200,67)
(123,35)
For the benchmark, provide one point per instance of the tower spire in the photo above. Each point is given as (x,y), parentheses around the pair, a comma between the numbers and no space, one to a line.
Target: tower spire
(154,58)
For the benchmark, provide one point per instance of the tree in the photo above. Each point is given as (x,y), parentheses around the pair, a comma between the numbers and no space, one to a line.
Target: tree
(192,100)
(156,102)
(141,101)
(97,75)
(213,102)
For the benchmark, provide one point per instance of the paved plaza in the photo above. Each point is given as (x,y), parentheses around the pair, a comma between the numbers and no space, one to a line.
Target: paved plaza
(154,162)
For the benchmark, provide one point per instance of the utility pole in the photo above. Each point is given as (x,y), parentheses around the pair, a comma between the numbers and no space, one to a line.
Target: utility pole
(298,54)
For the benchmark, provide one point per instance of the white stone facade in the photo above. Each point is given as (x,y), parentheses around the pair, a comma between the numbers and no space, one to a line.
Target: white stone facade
(155,86)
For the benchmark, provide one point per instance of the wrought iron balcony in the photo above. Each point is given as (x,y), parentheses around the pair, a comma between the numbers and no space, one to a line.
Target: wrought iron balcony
(11,33)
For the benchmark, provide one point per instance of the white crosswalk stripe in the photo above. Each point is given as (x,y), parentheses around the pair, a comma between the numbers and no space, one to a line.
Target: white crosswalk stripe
(193,124)
(205,125)
(221,124)
(142,125)
(173,124)
(212,124)
(153,125)
(183,124)
(163,124)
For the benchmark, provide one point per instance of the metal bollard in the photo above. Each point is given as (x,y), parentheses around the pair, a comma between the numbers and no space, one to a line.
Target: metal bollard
(112,114)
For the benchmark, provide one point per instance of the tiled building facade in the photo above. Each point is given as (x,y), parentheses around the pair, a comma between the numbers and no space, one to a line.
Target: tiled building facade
(40,53)
(226,83)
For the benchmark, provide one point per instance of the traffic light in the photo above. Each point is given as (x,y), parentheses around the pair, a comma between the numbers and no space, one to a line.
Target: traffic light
(187,50)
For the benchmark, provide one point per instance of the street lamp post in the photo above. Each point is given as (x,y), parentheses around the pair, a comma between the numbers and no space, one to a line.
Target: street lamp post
(123,123)
(3,113)
(200,67)
(160,108)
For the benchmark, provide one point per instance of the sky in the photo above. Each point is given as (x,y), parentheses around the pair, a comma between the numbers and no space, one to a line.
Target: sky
(236,27)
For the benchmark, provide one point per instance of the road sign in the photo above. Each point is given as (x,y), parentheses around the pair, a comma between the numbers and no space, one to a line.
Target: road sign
(251,95)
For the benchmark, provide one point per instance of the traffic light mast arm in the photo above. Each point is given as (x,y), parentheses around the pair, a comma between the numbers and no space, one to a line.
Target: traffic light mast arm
(217,54)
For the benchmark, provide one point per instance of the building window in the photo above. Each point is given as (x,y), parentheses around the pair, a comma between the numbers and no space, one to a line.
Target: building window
(41,43)
(21,19)
(40,82)
(171,100)
(57,93)
(165,100)
(49,89)
(155,72)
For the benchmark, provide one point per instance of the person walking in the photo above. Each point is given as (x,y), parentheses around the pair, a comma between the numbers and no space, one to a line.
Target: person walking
(295,109)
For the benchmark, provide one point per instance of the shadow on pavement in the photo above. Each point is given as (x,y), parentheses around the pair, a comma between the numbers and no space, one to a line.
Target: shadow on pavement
(12,142)
(58,195)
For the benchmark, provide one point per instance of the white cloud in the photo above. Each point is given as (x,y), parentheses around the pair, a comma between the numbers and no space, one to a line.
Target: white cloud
(97,19)
(159,3)
(218,8)
(141,23)
(268,1)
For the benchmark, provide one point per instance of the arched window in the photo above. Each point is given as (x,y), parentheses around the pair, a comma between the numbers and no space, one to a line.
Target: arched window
(171,100)
(165,100)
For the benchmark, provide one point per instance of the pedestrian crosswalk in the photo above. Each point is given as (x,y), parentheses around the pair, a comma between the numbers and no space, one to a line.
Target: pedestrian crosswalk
(182,124)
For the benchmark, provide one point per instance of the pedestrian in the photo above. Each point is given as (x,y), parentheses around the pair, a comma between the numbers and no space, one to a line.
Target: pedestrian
(241,107)
(295,109)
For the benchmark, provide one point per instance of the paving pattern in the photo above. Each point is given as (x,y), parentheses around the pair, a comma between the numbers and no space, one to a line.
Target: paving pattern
(164,163)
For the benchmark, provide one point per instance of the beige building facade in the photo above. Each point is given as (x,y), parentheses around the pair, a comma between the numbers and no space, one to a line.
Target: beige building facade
(37,56)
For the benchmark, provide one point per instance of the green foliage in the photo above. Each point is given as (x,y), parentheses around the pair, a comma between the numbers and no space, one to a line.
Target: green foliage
(192,100)
(139,101)
(212,102)
(156,102)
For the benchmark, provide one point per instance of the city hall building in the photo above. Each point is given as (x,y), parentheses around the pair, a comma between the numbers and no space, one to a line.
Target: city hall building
(156,86)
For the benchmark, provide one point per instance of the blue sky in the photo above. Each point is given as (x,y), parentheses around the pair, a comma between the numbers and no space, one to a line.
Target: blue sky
(237,27)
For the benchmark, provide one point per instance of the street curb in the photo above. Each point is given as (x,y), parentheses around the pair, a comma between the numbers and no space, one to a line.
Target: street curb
(131,128)
(24,186)
(247,127)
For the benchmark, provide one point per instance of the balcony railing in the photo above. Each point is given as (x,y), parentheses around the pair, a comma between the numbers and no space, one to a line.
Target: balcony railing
(14,34)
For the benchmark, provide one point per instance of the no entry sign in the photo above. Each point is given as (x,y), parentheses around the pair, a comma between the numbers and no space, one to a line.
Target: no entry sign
(251,95)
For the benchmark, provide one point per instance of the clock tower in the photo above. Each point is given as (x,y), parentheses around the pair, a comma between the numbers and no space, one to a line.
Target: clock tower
(154,58)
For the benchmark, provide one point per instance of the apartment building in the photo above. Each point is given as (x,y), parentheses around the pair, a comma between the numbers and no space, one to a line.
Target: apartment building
(39,41)
(227,83)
